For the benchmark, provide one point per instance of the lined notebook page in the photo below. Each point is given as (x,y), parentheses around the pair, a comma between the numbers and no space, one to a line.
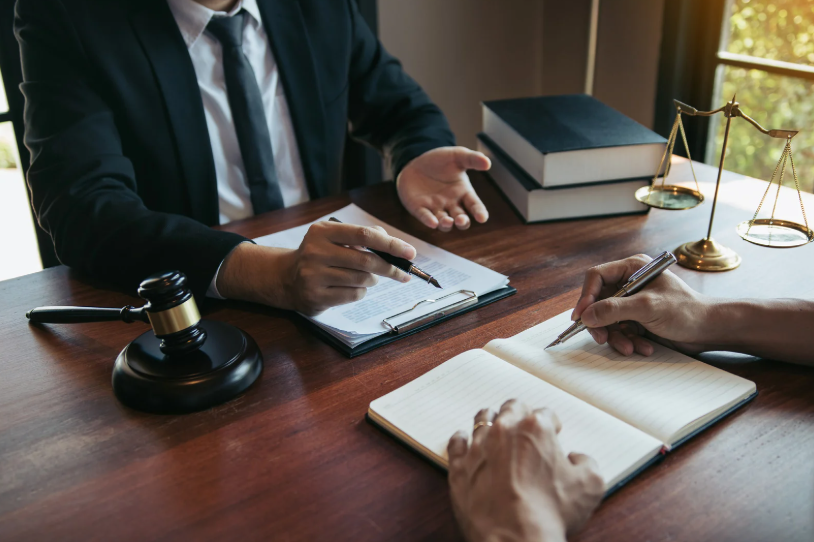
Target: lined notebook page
(433,407)
(662,394)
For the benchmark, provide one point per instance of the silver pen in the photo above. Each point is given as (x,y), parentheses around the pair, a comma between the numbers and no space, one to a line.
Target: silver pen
(636,282)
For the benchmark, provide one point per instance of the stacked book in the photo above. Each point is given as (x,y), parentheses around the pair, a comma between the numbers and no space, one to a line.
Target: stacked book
(561,157)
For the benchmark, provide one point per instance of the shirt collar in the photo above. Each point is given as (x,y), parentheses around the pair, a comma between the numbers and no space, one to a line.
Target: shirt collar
(192,17)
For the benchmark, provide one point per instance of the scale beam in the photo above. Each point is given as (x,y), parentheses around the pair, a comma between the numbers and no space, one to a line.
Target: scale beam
(707,254)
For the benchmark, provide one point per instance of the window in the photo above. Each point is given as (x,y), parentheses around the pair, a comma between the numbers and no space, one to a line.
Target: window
(766,56)
(18,239)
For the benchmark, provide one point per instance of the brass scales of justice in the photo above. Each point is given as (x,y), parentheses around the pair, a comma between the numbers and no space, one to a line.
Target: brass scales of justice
(707,254)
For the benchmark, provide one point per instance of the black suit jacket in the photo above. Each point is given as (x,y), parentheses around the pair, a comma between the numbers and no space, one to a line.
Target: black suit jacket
(122,174)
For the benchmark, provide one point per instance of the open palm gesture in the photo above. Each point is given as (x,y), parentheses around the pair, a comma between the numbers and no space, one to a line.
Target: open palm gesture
(435,188)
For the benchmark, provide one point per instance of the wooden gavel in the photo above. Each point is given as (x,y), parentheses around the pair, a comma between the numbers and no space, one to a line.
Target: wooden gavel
(185,363)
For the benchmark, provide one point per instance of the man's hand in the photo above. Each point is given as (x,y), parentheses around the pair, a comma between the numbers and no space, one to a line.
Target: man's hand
(666,310)
(515,483)
(325,271)
(435,189)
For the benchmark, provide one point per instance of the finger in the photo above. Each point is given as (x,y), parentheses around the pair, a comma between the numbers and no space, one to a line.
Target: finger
(457,446)
(589,470)
(475,206)
(461,219)
(445,221)
(456,451)
(378,228)
(637,308)
(548,417)
(484,416)
(370,237)
(604,275)
(600,334)
(511,412)
(583,461)
(469,159)
(426,217)
(620,343)
(340,295)
(339,276)
(366,261)
(641,345)
(583,303)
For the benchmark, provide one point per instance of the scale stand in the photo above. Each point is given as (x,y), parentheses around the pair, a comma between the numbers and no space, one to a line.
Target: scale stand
(707,254)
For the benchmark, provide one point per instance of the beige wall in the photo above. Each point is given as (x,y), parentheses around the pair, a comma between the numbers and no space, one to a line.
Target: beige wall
(467,51)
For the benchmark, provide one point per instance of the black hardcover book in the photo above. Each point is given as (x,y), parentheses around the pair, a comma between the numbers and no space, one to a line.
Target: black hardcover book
(543,204)
(572,139)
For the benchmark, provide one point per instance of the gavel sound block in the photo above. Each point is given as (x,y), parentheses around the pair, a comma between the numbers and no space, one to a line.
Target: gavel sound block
(184,364)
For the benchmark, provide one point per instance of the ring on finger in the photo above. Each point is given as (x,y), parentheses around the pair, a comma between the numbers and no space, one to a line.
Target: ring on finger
(481,424)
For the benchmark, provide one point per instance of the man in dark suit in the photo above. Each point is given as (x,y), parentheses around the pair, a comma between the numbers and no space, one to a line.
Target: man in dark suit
(150,120)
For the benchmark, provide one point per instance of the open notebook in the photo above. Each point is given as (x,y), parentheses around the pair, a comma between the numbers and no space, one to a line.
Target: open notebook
(356,323)
(622,411)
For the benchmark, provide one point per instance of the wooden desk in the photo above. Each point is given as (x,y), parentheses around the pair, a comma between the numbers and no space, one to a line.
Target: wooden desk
(293,458)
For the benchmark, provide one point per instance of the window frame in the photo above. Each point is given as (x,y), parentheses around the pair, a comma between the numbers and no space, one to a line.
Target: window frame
(693,32)
(724,58)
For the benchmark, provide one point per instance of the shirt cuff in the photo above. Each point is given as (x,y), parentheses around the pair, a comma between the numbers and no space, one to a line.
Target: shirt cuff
(212,291)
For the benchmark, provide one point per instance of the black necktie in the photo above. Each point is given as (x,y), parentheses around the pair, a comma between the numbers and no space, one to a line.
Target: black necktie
(246,103)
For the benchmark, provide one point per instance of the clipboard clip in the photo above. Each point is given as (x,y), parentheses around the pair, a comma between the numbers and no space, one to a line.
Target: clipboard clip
(471,299)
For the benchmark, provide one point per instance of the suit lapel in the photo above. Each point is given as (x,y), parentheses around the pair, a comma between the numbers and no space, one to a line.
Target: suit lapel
(292,51)
(158,33)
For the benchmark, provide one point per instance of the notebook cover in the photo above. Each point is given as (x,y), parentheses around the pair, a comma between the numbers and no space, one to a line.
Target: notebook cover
(529,183)
(388,338)
(661,456)
(571,122)
(714,421)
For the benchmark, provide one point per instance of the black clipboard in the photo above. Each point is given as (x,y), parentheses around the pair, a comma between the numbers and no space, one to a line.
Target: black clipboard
(401,331)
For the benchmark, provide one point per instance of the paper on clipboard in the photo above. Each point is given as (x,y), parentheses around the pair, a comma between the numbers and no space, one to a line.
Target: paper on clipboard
(357,322)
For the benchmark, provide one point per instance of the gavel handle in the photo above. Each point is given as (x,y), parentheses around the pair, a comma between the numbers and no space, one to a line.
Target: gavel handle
(78,315)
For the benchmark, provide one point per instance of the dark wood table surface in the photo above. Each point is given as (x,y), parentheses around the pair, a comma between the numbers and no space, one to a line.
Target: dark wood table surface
(294,459)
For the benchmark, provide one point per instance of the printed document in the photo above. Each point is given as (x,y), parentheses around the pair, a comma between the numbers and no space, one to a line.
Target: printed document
(357,322)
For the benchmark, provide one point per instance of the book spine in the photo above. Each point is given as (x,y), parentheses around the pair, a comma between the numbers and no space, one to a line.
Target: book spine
(511,188)
(515,145)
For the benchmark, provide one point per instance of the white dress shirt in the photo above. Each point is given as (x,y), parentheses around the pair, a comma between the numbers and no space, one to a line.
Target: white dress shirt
(234,201)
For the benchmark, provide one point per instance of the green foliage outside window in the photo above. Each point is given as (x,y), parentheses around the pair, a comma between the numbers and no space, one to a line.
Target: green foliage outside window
(777,30)
(7,155)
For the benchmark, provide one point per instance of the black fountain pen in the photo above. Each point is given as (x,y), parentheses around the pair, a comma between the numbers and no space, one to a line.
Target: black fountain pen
(403,264)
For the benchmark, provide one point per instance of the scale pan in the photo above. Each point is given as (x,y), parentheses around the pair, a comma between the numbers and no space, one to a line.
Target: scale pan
(768,232)
(670,197)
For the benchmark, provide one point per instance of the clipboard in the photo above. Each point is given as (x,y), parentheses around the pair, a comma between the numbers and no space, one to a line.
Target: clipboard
(412,326)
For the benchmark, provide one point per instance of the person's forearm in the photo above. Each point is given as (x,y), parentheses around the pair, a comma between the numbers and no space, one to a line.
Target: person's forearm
(257,274)
(778,329)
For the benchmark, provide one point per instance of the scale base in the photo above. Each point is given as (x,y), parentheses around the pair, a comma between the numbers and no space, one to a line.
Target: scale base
(146,379)
(706,255)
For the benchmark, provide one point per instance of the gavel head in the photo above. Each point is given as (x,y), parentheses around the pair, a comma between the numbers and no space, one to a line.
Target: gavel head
(172,312)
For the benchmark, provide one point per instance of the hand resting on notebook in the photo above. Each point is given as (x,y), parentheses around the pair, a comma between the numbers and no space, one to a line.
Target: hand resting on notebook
(668,311)
(515,483)
(326,270)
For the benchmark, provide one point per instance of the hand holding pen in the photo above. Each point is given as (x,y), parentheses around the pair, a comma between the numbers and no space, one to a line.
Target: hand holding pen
(401,263)
(665,309)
